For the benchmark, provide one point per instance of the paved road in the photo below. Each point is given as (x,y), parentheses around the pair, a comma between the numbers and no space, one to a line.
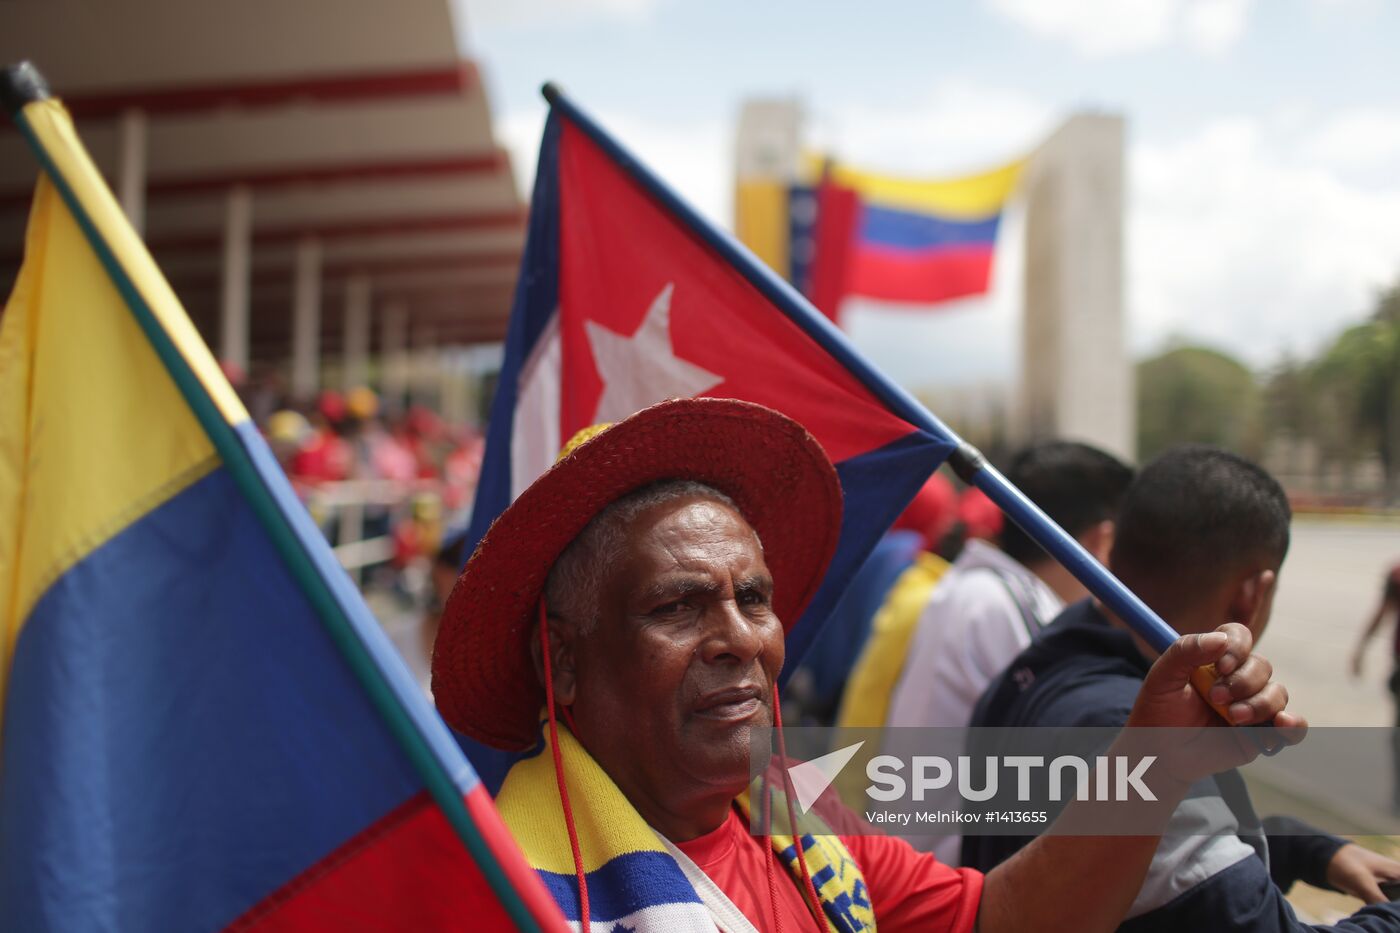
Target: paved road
(1330,584)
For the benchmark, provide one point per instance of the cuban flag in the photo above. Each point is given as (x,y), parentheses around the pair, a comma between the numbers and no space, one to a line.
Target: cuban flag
(628,297)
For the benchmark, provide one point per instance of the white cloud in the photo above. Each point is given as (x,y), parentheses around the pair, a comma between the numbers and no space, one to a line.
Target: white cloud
(956,126)
(1114,27)
(1357,139)
(1232,241)
(1213,27)
(695,157)
(486,14)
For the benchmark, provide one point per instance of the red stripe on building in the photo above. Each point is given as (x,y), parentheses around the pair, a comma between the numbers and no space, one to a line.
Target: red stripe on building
(458,78)
(487,163)
(344,230)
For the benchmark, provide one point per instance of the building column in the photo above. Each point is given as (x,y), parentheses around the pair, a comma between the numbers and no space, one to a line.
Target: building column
(424,382)
(306,320)
(393,363)
(455,396)
(238,244)
(131,166)
(355,363)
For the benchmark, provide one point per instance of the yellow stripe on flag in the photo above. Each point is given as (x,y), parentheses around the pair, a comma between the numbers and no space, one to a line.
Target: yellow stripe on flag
(970,197)
(94,432)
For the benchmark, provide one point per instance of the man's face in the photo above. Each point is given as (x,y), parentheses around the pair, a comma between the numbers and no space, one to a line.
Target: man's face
(683,657)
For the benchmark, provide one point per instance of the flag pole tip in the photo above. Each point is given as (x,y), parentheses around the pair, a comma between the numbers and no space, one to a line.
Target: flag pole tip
(552,92)
(22,85)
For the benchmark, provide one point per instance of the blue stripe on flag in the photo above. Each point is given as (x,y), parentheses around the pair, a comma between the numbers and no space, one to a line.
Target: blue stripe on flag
(536,300)
(877,487)
(147,694)
(883,226)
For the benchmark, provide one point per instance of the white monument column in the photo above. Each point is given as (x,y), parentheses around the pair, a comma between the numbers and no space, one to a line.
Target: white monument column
(767,155)
(238,244)
(1077,378)
(355,363)
(306,319)
(131,166)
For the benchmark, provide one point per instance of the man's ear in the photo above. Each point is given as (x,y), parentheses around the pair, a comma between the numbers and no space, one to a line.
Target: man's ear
(1253,600)
(1098,540)
(561,658)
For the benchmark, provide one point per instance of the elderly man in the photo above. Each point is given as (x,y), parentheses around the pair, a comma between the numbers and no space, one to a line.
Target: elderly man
(640,590)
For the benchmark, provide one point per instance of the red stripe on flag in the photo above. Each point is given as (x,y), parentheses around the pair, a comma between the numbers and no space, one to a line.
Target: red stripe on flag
(936,275)
(522,877)
(407,871)
(838,210)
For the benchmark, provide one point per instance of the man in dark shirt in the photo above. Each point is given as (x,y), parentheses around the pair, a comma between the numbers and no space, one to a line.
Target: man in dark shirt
(1201,537)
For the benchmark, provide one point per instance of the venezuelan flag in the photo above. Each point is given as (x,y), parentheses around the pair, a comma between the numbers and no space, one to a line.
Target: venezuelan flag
(201,725)
(904,240)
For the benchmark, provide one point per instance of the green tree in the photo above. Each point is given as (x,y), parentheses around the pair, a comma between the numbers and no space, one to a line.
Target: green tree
(1192,394)
(1356,387)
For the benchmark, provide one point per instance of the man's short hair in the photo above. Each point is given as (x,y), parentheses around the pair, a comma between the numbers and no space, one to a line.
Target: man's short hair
(1197,513)
(1077,485)
(573,588)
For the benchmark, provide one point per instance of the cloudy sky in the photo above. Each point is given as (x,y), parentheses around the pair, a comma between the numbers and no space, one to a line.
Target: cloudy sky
(1263,137)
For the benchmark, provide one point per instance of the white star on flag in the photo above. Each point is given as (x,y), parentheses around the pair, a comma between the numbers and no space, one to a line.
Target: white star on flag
(643,369)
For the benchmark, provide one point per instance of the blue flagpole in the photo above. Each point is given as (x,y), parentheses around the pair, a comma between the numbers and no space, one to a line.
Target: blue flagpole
(966,460)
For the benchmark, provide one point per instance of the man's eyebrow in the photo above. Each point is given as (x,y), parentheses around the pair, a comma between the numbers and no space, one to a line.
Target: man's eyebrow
(760,583)
(679,586)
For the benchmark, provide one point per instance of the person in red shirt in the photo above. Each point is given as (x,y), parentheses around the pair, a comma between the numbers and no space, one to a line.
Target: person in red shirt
(639,593)
(327,456)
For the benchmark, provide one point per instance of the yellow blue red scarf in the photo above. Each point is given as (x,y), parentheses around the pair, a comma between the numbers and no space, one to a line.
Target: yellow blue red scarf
(634,884)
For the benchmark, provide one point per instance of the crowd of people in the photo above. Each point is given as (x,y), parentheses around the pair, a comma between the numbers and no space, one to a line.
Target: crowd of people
(409,475)
(625,616)
(987,630)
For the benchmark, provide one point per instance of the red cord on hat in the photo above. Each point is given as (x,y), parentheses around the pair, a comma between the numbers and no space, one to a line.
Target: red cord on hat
(809,889)
(559,769)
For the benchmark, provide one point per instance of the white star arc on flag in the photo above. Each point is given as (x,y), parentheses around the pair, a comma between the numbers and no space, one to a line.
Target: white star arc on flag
(643,369)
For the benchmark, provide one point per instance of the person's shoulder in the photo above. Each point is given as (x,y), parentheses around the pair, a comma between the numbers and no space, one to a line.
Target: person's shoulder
(966,593)
(1227,888)
(1065,678)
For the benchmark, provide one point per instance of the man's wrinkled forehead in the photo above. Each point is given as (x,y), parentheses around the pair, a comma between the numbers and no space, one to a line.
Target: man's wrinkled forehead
(685,527)
(694,546)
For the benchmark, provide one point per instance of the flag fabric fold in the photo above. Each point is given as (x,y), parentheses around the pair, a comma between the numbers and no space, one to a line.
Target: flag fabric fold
(627,297)
(201,724)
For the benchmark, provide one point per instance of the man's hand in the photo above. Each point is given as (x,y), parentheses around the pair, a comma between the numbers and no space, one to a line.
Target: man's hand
(1358,871)
(1243,686)
(1357,662)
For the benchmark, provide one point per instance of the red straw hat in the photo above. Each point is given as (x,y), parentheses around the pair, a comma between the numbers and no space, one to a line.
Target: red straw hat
(777,474)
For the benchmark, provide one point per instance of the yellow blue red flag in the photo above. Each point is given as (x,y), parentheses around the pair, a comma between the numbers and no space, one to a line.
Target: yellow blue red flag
(903,240)
(201,725)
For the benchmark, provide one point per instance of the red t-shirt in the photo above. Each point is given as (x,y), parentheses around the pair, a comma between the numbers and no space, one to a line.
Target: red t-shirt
(909,890)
